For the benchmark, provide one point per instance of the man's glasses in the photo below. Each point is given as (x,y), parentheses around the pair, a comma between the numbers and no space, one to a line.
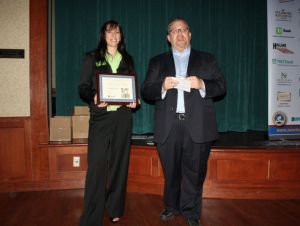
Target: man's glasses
(176,31)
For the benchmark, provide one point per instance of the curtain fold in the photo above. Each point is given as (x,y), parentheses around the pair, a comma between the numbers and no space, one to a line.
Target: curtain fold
(234,31)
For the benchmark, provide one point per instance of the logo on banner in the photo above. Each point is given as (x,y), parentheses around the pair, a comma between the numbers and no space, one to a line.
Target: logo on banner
(284,81)
(279,118)
(283,62)
(283,75)
(295,119)
(283,15)
(283,33)
(282,48)
(280,31)
(284,96)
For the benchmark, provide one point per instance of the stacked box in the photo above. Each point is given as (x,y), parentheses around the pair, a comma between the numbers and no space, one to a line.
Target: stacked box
(80,122)
(60,128)
(81,110)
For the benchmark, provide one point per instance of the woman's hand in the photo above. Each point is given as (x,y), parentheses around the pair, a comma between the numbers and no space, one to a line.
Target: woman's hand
(102,105)
(133,105)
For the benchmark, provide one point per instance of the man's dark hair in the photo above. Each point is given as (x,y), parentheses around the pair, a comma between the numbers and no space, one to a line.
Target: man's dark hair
(176,19)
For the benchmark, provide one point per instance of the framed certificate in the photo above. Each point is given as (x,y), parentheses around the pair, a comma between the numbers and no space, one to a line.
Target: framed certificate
(116,89)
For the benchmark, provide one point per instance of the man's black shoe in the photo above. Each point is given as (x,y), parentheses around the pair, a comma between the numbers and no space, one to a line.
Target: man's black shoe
(166,215)
(194,223)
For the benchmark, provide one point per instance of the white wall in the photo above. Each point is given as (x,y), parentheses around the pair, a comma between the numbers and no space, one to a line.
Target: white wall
(14,73)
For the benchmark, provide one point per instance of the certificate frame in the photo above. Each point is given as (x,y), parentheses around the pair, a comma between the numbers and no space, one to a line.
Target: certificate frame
(116,89)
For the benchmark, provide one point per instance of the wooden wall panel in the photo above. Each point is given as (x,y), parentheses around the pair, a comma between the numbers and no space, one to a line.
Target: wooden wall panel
(144,160)
(65,162)
(242,170)
(208,182)
(140,165)
(12,155)
(15,161)
(155,166)
(145,172)
(231,173)
(38,88)
(288,170)
(61,163)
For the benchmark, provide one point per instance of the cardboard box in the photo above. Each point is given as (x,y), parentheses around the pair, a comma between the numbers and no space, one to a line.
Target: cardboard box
(60,128)
(81,110)
(80,126)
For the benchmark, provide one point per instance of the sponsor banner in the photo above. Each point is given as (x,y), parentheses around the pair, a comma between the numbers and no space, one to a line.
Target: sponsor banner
(283,69)
(285,130)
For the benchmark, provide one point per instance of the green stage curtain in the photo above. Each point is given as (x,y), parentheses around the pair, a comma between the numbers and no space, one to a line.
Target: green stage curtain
(234,31)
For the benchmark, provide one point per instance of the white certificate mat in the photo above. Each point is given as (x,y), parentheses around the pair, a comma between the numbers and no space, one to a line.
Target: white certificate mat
(116,89)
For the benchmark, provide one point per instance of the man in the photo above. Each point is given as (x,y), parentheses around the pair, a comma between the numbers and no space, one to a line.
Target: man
(185,122)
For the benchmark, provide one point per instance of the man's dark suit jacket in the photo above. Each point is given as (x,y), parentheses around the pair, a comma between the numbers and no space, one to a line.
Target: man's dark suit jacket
(200,112)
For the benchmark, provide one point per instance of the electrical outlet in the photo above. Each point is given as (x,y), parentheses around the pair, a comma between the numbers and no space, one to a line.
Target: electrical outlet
(76,161)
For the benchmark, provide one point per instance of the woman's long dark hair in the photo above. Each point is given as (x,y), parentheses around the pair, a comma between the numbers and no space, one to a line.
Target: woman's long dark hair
(100,52)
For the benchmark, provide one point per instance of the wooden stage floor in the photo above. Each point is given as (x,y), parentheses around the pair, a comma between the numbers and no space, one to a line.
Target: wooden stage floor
(63,208)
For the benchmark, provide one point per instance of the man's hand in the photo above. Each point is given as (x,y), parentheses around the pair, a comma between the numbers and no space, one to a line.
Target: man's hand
(169,83)
(196,83)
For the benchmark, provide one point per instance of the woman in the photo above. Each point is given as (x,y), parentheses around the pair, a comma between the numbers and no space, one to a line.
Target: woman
(109,130)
